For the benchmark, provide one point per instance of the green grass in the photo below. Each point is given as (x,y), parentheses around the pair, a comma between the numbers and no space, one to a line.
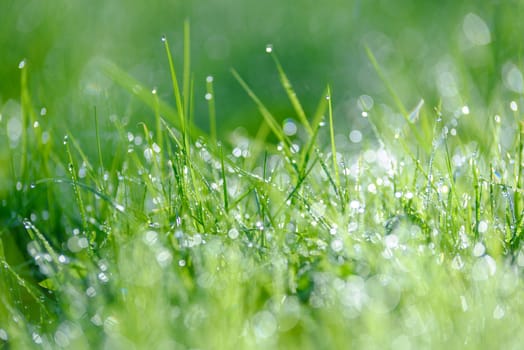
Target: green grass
(155,235)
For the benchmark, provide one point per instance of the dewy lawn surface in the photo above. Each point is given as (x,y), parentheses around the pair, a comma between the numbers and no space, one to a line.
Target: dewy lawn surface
(403,234)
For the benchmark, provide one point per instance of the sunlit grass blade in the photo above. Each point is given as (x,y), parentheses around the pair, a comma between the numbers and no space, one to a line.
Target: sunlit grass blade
(73,171)
(396,99)
(136,88)
(224,180)
(268,117)
(332,138)
(312,141)
(187,90)
(210,97)
(291,94)
(176,90)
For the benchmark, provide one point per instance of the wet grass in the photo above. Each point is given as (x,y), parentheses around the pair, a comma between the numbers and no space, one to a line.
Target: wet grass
(165,238)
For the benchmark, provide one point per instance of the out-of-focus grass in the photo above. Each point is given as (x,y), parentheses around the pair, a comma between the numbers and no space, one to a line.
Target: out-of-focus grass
(382,211)
(317,43)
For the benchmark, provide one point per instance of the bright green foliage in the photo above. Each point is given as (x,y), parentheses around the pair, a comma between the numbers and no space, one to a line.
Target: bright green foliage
(165,239)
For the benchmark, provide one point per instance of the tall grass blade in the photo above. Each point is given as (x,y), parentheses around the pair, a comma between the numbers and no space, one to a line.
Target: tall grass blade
(291,94)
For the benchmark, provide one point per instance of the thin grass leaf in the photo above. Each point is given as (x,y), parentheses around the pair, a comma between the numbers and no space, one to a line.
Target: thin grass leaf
(268,117)
(291,94)
(332,138)
(210,97)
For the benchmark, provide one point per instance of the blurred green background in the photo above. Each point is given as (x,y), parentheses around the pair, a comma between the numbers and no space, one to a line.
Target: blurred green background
(423,46)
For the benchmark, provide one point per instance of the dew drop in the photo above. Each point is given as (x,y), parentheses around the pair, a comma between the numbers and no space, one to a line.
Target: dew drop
(457,263)
(513,106)
(209,79)
(91,292)
(37,338)
(289,127)
(498,313)
(103,277)
(164,257)
(337,245)
(208,96)
(233,233)
(464,303)
(476,30)
(163,38)
(21,65)
(483,226)
(269,48)
(479,249)
(355,136)
(264,324)
(415,113)
(156,148)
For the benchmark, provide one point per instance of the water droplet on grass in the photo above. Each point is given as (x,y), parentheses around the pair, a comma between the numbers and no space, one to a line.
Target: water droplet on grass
(103,277)
(483,226)
(156,148)
(498,313)
(208,96)
(476,30)
(36,338)
(3,334)
(164,257)
(148,154)
(233,233)
(163,39)
(479,249)
(289,127)
(513,106)
(337,245)
(269,48)
(355,136)
(209,79)
(465,110)
(513,79)
(264,324)
(457,263)
(415,113)
(22,63)
(464,303)
(150,238)
(91,292)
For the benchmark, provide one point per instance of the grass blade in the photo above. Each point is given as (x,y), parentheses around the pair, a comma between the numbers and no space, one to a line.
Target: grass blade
(291,94)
